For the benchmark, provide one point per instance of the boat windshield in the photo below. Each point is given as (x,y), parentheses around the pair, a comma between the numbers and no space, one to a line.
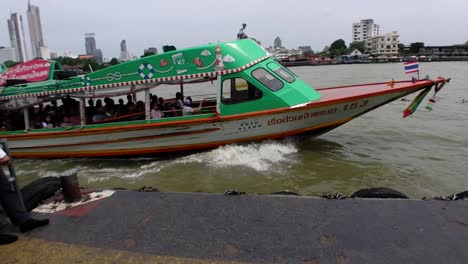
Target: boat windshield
(267,79)
(281,71)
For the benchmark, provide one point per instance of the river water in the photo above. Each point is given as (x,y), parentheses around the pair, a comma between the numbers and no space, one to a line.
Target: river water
(423,155)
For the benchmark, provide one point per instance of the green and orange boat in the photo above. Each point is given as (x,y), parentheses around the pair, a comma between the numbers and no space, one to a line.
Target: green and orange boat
(254,98)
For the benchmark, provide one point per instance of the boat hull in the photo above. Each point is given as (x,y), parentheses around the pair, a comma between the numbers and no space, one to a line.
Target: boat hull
(145,139)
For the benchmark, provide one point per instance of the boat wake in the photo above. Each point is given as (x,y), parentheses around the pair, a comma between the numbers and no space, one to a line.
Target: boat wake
(262,157)
(258,156)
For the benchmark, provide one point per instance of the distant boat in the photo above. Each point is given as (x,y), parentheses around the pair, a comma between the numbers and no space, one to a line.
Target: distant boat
(253,98)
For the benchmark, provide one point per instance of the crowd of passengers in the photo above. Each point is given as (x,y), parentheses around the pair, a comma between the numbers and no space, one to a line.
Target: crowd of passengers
(97,111)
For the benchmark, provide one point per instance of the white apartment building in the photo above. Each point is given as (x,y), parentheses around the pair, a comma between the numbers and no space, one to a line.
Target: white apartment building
(384,45)
(364,30)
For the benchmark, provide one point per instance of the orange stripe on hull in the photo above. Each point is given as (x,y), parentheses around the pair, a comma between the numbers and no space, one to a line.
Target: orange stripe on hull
(143,151)
(129,139)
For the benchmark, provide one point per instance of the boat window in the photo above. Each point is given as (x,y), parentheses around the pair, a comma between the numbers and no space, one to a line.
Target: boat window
(238,90)
(281,71)
(270,81)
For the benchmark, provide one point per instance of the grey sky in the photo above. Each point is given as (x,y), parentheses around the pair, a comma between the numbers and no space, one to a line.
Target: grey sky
(184,23)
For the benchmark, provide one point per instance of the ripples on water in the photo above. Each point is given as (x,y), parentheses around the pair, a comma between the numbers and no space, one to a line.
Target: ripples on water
(423,155)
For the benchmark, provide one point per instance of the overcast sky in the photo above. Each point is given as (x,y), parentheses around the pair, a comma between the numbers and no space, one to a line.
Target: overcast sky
(184,23)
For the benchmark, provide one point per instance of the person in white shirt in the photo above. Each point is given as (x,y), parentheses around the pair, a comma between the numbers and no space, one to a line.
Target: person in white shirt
(11,205)
(155,112)
(189,110)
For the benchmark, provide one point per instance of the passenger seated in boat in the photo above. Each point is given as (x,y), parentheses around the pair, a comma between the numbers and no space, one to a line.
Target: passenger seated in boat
(109,110)
(66,122)
(188,109)
(132,109)
(155,112)
(90,110)
(140,106)
(130,100)
(154,98)
(47,122)
(98,112)
(122,109)
(179,100)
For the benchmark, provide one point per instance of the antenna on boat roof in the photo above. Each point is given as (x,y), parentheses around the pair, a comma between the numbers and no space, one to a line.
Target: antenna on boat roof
(90,68)
(241,34)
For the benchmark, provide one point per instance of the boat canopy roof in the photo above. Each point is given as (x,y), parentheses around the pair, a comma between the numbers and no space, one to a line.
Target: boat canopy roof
(200,62)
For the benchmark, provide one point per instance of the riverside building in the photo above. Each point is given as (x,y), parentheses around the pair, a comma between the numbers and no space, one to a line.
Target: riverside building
(365,30)
(384,45)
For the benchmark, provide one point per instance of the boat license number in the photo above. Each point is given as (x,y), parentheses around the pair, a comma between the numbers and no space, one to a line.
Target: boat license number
(355,105)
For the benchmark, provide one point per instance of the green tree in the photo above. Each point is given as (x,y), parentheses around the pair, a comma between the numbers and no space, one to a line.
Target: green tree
(415,47)
(337,48)
(402,49)
(148,53)
(168,48)
(359,45)
(114,61)
(10,63)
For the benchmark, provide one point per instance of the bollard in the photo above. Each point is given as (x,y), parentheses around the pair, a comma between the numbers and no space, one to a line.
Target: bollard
(70,188)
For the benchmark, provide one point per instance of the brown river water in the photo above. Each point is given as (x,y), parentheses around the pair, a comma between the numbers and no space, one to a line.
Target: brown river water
(423,155)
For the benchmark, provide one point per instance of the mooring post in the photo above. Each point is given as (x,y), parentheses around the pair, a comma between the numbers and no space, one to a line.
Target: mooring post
(70,188)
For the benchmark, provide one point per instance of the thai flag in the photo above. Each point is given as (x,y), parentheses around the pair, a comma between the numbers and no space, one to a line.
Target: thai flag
(411,67)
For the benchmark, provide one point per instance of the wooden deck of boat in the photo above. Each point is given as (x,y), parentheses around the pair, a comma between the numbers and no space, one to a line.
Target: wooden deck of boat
(143,227)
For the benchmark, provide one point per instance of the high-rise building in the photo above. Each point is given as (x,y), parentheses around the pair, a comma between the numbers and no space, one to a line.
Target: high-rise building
(15,27)
(35,32)
(90,43)
(7,54)
(365,30)
(124,56)
(277,43)
(97,55)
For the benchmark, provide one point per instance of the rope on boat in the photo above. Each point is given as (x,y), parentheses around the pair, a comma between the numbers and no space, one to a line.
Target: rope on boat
(417,101)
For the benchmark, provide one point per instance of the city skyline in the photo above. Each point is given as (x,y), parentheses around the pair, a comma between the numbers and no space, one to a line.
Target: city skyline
(314,24)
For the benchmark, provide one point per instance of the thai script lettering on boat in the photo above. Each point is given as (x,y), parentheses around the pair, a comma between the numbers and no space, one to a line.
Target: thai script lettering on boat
(303,116)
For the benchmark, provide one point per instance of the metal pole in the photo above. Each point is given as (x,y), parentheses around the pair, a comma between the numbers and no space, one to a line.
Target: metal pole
(182,87)
(82,112)
(218,94)
(147,104)
(26,118)
(12,176)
